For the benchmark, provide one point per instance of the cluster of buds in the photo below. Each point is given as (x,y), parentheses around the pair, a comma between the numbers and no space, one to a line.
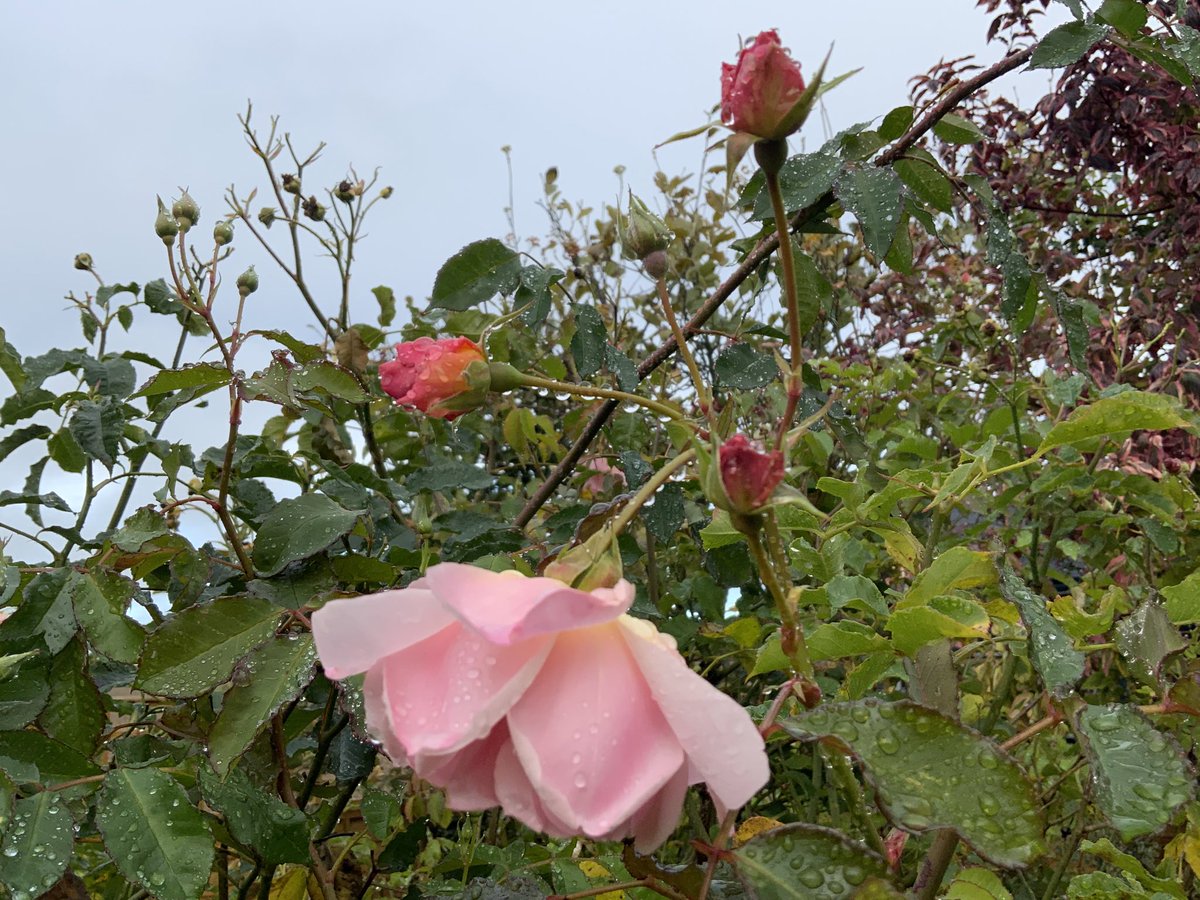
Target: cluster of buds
(183,214)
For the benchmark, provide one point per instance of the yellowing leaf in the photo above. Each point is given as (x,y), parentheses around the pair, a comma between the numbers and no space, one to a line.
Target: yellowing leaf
(752,827)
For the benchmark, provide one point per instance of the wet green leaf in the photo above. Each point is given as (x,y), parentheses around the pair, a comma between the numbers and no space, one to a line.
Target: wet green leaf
(589,341)
(1183,600)
(1051,650)
(55,761)
(977,884)
(959,568)
(1145,638)
(1066,44)
(297,529)
(1116,416)
(74,711)
(914,626)
(1127,16)
(24,695)
(37,845)
(1140,775)
(154,834)
(97,426)
(101,600)
(195,650)
(387,304)
(199,378)
(805,861)
(931,772)
(956,130)
(1133,869)
(743,368)
(925,178)
(873,195)
(264,824)
(270,676)
(803,180)
(448,476)
(476,273)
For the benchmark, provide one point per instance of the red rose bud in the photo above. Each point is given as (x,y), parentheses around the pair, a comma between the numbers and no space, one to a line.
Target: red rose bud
(443,378)
(749,476)
(760,91)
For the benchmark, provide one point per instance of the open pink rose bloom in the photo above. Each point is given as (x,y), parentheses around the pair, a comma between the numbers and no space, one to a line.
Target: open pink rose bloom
(542,699)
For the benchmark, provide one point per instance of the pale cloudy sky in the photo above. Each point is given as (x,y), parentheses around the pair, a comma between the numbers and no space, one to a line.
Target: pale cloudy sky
(107,104)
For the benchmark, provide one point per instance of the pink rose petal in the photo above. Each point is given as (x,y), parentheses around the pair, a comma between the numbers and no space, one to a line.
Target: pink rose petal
(507,607)
(590,736)
(716,733)
(351,635)
(452,688)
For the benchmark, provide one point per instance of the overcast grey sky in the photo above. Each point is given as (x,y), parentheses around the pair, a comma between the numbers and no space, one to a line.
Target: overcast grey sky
(108,104)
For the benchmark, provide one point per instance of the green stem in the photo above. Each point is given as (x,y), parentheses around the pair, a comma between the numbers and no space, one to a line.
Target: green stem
(770,159)
(791,634)
(685,351)
(648,490)
(854,794)
(596,393)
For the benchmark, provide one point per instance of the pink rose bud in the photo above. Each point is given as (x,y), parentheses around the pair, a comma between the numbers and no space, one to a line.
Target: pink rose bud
(748,475)
(443,378)
(760,91)
(545,700)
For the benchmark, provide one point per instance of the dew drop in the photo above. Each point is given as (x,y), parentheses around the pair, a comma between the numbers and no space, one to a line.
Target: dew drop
(580,780)
(989,804)
(888,742)
(812,878)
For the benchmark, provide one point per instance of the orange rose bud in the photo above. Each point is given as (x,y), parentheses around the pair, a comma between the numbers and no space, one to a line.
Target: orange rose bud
(443,378)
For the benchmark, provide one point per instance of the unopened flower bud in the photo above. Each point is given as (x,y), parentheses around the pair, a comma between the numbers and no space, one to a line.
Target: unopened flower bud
(266,215)
(223,233)
(185,211)
(596,563)
(83,261)
(386,192)
(313,209)
(643,232)
(247,282)
(165,225)
(290,183)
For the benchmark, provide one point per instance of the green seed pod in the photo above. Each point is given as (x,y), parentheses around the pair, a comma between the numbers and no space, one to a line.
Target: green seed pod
(83,262)
(266,215)
(313,209)
(290,183)
(223,233)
